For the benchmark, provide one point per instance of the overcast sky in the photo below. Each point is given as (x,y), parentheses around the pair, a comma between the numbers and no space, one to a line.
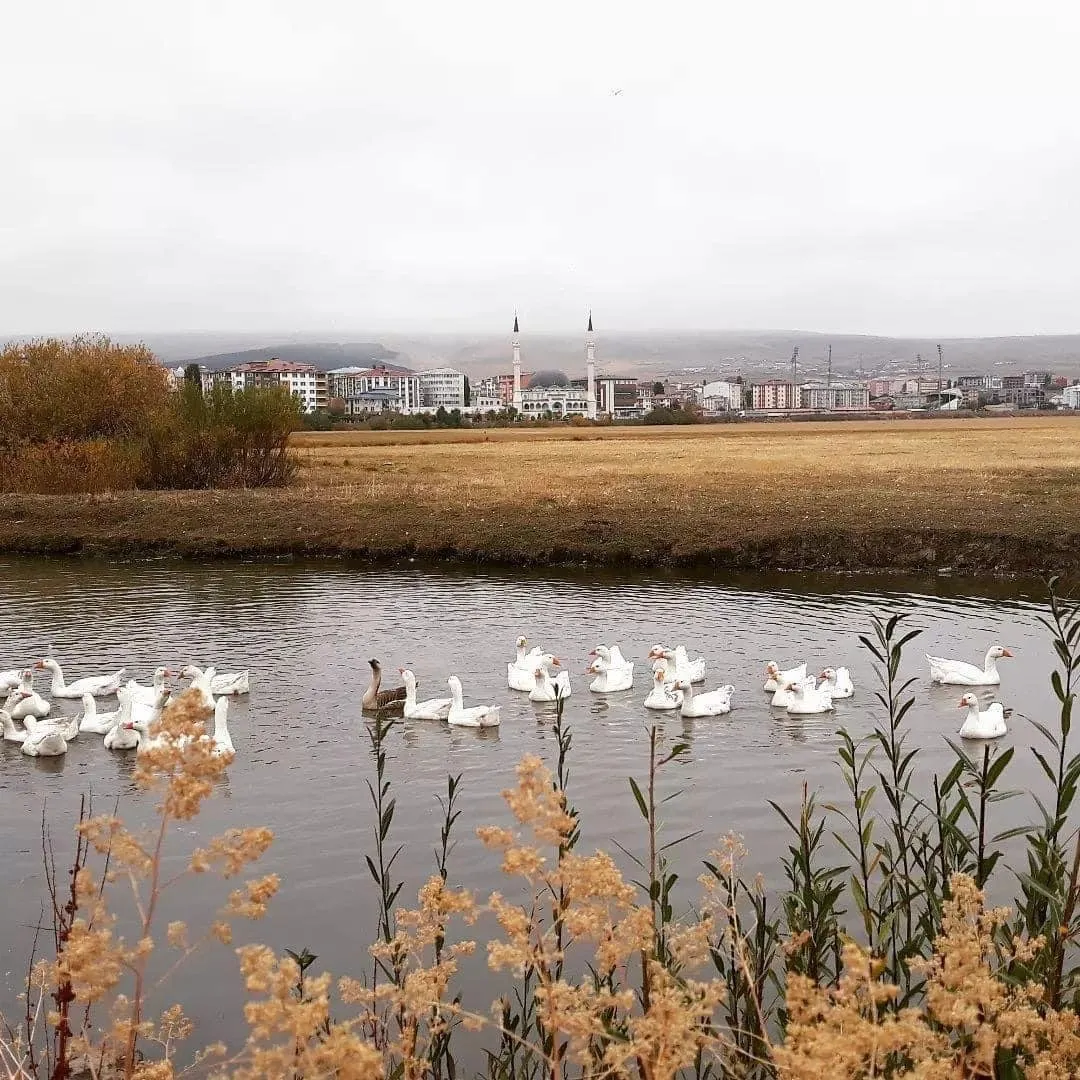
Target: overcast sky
(897,168)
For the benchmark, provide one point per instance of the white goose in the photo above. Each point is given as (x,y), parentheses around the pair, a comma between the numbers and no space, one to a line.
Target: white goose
(959,673)
(987,724)
(663,697)
(478,716)
(839,682)
(775,678)
(49,738)
(714,703)
(43,740)
(143,715)
(221,738)
(519,672)
(546,688)
(98,685)
(10,731)
(31,703)
(784,695)
(9,680)
(612,656)
(95,723)
(149,694)
(610,679)
(523,659)
(228,683)
(432,709)
(684,669)
(123,735)
(806,698)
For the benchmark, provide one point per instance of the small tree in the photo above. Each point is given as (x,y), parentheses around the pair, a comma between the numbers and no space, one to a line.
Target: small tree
(193,376)
(657,387)
(468,392)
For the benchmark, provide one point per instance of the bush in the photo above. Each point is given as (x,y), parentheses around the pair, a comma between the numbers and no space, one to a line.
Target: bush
(85,388)
(88,415)
(225,438)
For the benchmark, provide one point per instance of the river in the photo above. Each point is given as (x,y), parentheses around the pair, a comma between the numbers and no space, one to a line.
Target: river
(306,632)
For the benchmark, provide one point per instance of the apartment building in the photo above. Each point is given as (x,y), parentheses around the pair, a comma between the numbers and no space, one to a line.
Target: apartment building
(618,398)
(721,396)
(502,387)
(774,394)
(442,387)
(303,381)
(367,390)
(837,397)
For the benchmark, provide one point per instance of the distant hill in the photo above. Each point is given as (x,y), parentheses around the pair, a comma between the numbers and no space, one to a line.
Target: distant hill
(323,355)
(659,353)
(749,352)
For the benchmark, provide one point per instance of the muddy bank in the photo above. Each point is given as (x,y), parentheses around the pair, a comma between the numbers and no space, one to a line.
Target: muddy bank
(281,524)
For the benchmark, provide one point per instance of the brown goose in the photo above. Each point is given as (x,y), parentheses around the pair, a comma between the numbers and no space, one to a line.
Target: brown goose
(374,698)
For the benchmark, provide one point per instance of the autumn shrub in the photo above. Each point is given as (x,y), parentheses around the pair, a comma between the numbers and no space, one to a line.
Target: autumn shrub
(84,388)
(224,438)
(89,415)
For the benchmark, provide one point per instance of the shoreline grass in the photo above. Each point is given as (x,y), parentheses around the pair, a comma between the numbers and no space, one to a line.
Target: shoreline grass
(974,496)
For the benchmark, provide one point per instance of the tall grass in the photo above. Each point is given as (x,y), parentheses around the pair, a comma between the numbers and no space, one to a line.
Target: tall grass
(877,957)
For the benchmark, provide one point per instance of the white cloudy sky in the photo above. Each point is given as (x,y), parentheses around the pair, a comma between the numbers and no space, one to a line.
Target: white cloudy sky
(902,168)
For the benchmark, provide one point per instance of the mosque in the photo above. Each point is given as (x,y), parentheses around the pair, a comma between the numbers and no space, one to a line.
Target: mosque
(551,392)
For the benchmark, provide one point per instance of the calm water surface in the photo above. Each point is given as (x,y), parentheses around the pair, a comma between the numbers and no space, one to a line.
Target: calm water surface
(303,757)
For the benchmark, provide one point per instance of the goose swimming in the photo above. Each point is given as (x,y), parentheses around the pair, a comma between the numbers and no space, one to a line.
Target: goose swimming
(959,673)
(432,709)
(98,685)
(374,698)
(478,716)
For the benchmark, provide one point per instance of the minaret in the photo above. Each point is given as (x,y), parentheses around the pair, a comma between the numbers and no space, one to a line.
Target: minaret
(517,367)
(590,370)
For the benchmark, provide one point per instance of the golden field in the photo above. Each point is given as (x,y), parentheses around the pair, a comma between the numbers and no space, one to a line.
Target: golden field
(995,494)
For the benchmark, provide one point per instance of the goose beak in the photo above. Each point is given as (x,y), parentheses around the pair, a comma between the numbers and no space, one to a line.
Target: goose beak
(962,705)
(556,662)
(39,666)
(1005,652)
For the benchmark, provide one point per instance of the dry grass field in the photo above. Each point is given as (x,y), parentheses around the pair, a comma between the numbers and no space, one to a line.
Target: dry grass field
(999,494)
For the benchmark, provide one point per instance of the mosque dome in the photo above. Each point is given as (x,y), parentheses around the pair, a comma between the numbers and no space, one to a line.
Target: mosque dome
(549,378)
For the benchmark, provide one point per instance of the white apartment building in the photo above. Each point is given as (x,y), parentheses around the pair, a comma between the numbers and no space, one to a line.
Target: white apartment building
(838,396)
(442,387)
(366,390)
(1071,396)
(721,396)
(303,381)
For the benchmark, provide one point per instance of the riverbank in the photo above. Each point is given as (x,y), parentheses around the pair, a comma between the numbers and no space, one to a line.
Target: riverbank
(996,496)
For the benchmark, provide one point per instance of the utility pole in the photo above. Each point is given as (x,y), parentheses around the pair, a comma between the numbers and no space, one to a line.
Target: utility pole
(828,377)
(939,386)
(795,377)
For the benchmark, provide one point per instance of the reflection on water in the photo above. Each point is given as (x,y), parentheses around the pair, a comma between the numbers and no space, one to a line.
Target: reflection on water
(303,755)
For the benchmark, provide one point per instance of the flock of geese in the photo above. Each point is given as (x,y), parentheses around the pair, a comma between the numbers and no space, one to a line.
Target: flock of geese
(125,728)
(673,676)
(536,672)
